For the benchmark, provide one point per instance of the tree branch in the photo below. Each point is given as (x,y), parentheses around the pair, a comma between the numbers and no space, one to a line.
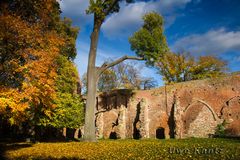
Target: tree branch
(111,7)
(105,66)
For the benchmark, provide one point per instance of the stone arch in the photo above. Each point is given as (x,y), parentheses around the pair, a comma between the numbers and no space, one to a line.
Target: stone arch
(226,103)
(233,98)
(194,118)
(231,109)
(205,104)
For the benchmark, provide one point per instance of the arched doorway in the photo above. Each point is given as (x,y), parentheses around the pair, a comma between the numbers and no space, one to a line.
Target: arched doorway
(196,116)
(113,135)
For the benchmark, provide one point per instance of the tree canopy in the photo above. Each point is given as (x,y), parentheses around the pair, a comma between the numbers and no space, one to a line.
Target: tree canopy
(149,42)
(36,53)
(122,76)
(184,67)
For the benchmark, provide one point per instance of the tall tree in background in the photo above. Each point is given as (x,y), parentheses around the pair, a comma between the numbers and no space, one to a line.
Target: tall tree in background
(152,31)
(107,81)
(126,76)
(122,76)
(148,83)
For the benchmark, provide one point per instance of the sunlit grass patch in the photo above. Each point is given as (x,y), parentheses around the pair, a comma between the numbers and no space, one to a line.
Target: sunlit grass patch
(128,149)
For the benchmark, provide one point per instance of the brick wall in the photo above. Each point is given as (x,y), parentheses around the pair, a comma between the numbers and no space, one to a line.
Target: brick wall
(189,109)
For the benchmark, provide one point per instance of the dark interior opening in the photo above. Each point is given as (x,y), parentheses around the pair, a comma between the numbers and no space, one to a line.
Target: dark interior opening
(113,135)
(171,122)
(136,131)
(160,133)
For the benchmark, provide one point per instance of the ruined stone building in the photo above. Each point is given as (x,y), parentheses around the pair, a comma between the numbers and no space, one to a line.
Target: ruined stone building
(189,109)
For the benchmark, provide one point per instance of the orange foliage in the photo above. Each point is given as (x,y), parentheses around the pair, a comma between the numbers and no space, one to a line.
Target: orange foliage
(28,59)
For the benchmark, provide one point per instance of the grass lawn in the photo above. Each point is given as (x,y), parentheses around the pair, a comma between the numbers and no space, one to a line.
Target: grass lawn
(126,149)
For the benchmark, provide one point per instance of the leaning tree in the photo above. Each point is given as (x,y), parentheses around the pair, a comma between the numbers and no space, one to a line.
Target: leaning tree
(101,9)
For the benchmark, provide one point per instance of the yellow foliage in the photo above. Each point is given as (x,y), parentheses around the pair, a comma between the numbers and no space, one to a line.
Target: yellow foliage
(32,52)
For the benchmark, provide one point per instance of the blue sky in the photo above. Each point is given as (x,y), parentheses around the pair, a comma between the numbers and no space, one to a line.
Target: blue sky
(202,27)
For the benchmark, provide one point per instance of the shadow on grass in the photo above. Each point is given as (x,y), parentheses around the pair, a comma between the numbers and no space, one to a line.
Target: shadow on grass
(49,158)
(65,140)
(230,139)
(7,146)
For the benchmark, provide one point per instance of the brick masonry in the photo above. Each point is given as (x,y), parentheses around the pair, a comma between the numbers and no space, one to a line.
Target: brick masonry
(189,109)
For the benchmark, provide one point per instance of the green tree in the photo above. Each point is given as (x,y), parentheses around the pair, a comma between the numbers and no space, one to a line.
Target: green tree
(149,42)
(69,33)
(69,106)
(69,112)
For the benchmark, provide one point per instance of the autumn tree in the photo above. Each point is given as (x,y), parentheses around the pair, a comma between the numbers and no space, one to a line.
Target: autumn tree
(175,67)
(209,67)
(29,46)
(101,9)
(37,49)
(184,67)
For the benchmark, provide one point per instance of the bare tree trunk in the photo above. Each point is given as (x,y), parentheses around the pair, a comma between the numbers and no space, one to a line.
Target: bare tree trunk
(93,74)
(89,127)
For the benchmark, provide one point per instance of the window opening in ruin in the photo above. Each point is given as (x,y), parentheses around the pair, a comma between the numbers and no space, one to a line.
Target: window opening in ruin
(160,133)
(113,135)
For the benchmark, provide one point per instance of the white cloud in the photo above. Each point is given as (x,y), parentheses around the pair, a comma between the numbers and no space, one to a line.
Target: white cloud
(238,59)
(103,54)
(129,18)
(125,22)
(76,10)
(82,57)
(212,42)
